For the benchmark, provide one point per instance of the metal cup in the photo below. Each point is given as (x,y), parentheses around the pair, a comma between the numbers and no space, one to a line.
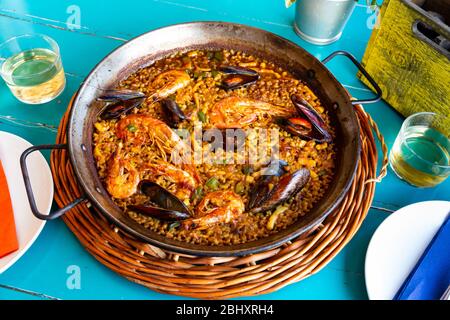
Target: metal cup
(322,21)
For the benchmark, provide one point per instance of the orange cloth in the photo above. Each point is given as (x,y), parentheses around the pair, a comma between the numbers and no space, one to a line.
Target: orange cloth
(8,236)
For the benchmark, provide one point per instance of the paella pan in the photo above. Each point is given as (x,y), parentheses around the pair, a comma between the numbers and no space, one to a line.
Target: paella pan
(163,139)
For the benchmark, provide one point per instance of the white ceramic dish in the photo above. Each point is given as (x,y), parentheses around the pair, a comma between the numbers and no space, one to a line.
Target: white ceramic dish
(28,227)
(398,244)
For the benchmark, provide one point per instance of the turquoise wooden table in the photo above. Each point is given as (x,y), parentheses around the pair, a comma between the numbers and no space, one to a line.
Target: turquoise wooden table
(86,31)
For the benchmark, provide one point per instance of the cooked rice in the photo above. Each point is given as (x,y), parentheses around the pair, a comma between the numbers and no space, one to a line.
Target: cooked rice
(275,86)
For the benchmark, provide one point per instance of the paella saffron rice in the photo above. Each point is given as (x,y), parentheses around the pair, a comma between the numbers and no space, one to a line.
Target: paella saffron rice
(196,96)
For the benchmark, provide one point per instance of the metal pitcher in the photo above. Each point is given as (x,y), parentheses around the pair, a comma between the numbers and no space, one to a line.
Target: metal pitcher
(322,21)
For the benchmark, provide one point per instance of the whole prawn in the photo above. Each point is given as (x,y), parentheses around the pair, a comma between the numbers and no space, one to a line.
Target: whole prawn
(139,129)
(216,207)
(122,179)
(237,112)
(168,83)
(185,182)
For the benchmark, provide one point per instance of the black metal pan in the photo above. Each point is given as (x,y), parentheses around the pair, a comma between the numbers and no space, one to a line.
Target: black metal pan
(154,45)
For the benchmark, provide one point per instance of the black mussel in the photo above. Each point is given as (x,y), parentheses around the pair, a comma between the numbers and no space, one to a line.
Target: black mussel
(260,191)
(238,77)
(304,108)
(238,70)
(158,213)
(162,197)
(288,186)
(120,95)
(308,124)
(298,127)
(162,204)
(269,176)
(235,81)
(173,115)
(120,102)
(116,109)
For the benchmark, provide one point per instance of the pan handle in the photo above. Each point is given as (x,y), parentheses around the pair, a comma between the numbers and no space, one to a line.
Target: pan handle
(363,71)
(29,190)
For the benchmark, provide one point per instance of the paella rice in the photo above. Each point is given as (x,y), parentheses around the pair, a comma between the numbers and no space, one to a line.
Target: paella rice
(200,92)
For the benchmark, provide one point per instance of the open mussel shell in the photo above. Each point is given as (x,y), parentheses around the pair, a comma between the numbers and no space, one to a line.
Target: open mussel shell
(120,95)
(288,186)
(303,128)
(269,176)
(162,204)
(304,108)
(307,124)
(120,102)
(158,213)
(173,115)
(238,77)
(238,81)
(260,191)
(116,109)
(238,70)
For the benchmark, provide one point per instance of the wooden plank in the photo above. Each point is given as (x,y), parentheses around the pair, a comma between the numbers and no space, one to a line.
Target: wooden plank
(56,248)
(413,75)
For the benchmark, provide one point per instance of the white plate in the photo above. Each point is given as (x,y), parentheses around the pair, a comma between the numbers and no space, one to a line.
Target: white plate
(398,244)
(28,226)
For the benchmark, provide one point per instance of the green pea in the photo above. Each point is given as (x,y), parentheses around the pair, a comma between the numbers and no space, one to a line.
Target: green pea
(239,187)
(201,116)
(218,55)
(196,74)
(131,128)
(212,183)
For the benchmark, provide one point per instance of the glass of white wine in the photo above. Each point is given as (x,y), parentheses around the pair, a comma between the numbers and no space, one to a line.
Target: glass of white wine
(31,66)
(421,151)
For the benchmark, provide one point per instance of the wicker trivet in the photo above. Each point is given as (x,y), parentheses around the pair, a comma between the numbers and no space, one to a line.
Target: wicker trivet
(221,277)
